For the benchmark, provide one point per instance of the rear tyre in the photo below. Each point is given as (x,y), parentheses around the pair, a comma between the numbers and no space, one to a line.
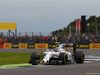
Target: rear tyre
(34,59)
(79,57)
(63,58)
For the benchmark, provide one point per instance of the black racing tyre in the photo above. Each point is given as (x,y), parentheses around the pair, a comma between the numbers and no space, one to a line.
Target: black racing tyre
(79,57)
(34,58)
(63,58)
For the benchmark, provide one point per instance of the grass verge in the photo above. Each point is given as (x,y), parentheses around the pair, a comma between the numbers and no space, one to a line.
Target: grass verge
(14,58)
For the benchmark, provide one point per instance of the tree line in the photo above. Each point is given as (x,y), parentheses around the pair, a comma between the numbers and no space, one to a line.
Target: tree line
(92,21)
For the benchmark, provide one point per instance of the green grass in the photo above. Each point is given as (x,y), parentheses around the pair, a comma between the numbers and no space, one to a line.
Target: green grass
(14,58)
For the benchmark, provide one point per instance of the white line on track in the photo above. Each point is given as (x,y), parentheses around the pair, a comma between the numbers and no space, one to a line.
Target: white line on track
(40,66)
(91,58)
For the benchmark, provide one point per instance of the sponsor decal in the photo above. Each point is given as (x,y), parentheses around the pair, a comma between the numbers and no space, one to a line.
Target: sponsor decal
(94,45)
(82,46)
(55,56)
(15,46)
(69,47)
(1,46)
(23,45)
(7,45)
(30,46)
(52,46)
(41,46)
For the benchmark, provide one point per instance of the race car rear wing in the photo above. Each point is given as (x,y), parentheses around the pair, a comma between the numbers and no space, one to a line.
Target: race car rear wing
(74,47)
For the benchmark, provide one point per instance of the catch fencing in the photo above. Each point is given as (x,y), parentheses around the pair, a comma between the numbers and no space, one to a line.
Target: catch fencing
(29,39)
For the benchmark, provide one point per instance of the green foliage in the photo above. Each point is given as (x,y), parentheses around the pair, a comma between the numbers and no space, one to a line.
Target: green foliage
(91,19)
(92,27)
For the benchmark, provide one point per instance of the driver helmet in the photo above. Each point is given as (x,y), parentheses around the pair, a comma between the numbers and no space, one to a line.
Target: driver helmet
(55,49)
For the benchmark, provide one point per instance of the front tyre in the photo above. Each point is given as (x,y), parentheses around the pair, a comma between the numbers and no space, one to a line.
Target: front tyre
(34,58)
(63,58)
(79,57)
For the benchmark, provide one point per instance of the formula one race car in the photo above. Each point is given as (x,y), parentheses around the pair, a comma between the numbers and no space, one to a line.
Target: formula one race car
(58,55)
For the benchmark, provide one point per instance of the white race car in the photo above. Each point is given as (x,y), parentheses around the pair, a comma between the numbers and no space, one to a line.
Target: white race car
(58,55)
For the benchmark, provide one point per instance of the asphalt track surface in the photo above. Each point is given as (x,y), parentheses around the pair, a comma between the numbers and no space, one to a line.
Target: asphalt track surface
(90,68)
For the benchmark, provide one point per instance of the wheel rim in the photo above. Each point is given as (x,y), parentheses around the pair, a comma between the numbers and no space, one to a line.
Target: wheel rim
(65,59)
(82,57)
